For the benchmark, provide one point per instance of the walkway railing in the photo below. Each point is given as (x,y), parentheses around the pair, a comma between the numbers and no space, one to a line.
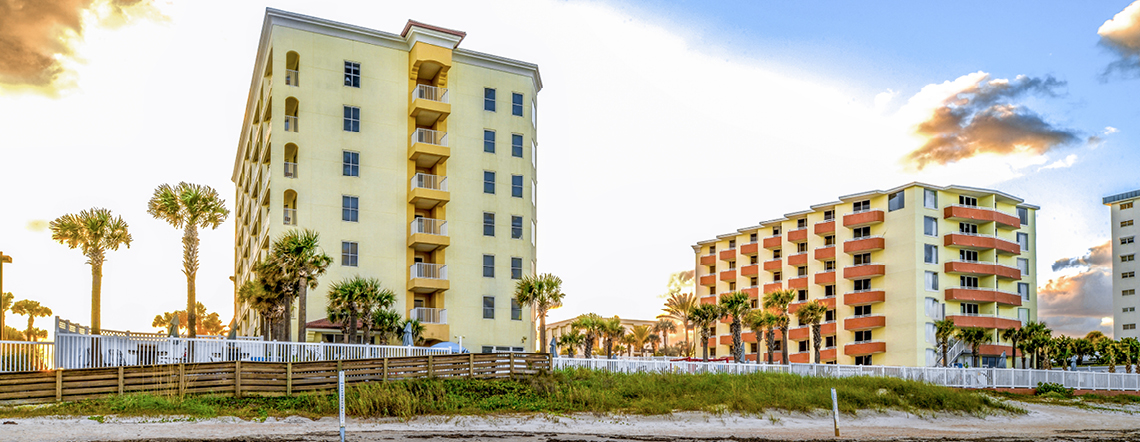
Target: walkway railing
(26,356)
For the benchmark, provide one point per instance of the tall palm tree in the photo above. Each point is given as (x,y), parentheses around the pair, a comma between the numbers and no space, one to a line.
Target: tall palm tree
(5,305)
(975,337)
(640,335)
(269,304)
(813,313)
(612,330)
(736,305)
(1081,347)
(763,322)
(1014,336)
(663,327)
(654,342)
(94,232)
(357,298)
(1107,353)
(1130,352)
(1062,349)
(188,207)
(571,341)
(592,326)
(678,307)
(703,317)
(778,302)
(31,309)
(296,261)
(386,323)
(943,331)
(1037,339)
(541,292)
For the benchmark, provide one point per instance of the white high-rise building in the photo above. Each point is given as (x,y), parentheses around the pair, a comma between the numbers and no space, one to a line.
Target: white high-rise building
(1124,248)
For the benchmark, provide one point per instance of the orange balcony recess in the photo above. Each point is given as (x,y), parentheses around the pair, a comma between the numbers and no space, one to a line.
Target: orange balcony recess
(864,348)
(978,242)
(708,280)
(799,333)
(864,323)
(863,245)
(769,288)
(798,235)
(773,242)
(827,354)
(708,300)
(712,342)
(865,218)
(797,260)
(728,275)
(728,255)
(825,253)
(708,260)
(824,228)
(983,268)
(825,278)
(827,329)
(750,249)
(984,214)
(753,292)
(798,283)
(864,298)
(997,350)
(864,271)
(982,295)
(962,321)
(829,302)
(774,265)
(800,358)
(751,270)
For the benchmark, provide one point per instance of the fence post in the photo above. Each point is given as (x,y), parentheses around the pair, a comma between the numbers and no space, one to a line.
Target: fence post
(550,362)
(471,365)
(385,369)
(288,378)
(120,380)
(431,370)
(59,384)
(237,379)
(181,380)
(512,365)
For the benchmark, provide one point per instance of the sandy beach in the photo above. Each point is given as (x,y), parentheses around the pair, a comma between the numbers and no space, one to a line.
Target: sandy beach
(1043,423)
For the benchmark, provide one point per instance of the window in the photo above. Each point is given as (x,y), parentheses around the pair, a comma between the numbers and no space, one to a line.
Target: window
(801,271)
(862,310)
(533,232)
(829,342)
(516,227)
(351,74)
(968,282)
(969,309)
(968,255)
(1023,290)
(967,228)
(829,266)
(801,223)
(516,146)
(967,201)
(829,240)
(862,258)
(516,186)
(351,163)
(489,182)
(863,360)
(863,336)
(488,307)
(516,104)
(777,276)
(829,316)
(777,253)
(1128,258)
(1126,223)
(1023,265)
(351,119)
(516,310)
(829,215)
(929,226)
(930,254)
(753,259)
(1023,241)
(751,238)
(754,281)
(828,291)
(801,247)
(931,281)
(1128,309)
(803,345)
(348,253)
(861,232)
(488,266)
(895,201)
(488,224)
(861,206)
(516,268)
(862,285)
(801,296)
(930,199)
(1128,292)
(1023,215)
(776,231)
(1127,205)
(488,99)
(731,244)
(1127,240)
(1128,326)
(732,286)
(732,266)
(1126,275)
(488,141)
(349,208)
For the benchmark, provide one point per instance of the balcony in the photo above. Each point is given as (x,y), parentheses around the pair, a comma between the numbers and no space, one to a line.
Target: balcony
(825,227)
(774,265)
(825,253)
(800,358)
(996,350)
(865,244)
(430,104)
(980,294)
(709,280)
(753,292)
(984,321)
(728,275)
(858,348)
(427,278)
(983,214)
(290,123)
(428,191)
(799,259)
(752,270)
(290,170)
(864,271)
(428,147)
(773,242)
(728,255)
(428,315)
(864,322)
(292,77)
(971,241)
(983,268)
(799,333)
(829,302)
(769,288)
(798,283)
(864,297)
(798,235)
(708,260)
(708,299)
(290,217)
(825,278)
(750,249)
(863,218)
(428,234)
(827,354)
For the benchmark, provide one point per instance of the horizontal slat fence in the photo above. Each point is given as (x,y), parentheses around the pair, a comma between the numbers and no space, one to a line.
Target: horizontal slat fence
(247,378)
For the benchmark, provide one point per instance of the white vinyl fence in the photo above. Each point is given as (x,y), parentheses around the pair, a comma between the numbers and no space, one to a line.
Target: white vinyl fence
(949,377)
(26,356)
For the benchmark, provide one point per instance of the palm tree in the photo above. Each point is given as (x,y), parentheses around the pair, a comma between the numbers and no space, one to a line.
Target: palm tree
(417,329)
(640,335)
(188,206)
(703,317)
(31,309)
(664,327)
(1014,336)
(612,330)
(1130,352)
(93,232)
(357,298)
(1095,335)
(777,302)
(678,307)
(1107,350)
(812,313)
(943,331)
(592,325)
(541,292)
(269,304)
(386,323)
(1081,347)
(655,342)
(1062,349)
(5,305)
(571,341)
(763,322)
(736,305)
(296,261)
(975,337)
(1037,339)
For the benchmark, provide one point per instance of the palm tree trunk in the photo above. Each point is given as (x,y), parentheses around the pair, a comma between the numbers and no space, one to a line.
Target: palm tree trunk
(190,269)
(352,326)
(770,337)
(542,331)
(286,325)
(264,327)
(945,362)
(704,345)
(31,318)
(737,342)
(96,291)
(302,302)
(784,343)
(817,340)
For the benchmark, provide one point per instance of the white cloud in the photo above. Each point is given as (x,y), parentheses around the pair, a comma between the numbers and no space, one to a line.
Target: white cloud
(1060,164)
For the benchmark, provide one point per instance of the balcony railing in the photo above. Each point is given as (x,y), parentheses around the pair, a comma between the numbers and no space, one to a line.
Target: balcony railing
(429,226)
(290,123)
(429,315)
(292,77)
(428,136)
(432,182)
(429,271)
(857,238)
(290,217)
(290,170)
(431,93)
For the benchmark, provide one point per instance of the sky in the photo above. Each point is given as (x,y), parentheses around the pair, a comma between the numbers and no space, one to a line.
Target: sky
(650,111)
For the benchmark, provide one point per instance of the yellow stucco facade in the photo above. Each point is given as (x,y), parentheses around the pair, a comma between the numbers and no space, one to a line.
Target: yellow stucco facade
(889,264)
(377,141)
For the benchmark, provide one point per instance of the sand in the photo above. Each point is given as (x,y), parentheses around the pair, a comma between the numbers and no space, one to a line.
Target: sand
(1043,423)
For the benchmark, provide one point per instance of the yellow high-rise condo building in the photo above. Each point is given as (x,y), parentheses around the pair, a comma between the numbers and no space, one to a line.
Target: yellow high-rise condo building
(413,158)
(888,264)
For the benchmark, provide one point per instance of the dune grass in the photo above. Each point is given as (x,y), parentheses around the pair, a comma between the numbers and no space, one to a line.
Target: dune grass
(561,392)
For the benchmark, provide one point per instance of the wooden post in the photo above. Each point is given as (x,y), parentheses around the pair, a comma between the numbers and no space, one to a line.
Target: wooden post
(288,378)
(181,380)
(431,370)
(471,365)
(120,380)
(237,379)
(512,365)
(385,369)
(550,362)
(59,385)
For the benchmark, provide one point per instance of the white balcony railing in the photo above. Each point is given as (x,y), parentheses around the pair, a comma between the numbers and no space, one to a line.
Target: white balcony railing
(290,170)
(292,77)
(428,315)
(428,136)
(429,271)
(429,226)
(432,182)
(290,217)
(431,93)
(863,237)
(991,209)
(290,123)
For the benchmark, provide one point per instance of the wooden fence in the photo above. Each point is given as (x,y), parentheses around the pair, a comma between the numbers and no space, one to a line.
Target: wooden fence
(245,378)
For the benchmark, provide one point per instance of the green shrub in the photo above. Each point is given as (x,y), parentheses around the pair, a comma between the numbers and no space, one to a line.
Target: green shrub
(1044,388)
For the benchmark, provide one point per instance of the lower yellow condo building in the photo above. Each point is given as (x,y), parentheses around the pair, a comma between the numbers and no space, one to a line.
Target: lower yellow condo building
(888,264)
(412,157)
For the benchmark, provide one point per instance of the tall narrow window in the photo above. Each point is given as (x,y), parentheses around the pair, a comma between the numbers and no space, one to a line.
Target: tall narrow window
(1023,241)
(488,99)
(351,74)
(929,226)
(351,163)
(488,182)
(488,307)
(1023,265)
(488,141)
(488,266)
(516,268)
(351,119)
(1023,215)
(516,145)
(932,281)
(348,253)
(488,224)
(516,310)
(516,227)
(1023,290)
(930,199)
(517,186)
(930,254)
(349,208)
(896,201)
(517,104)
